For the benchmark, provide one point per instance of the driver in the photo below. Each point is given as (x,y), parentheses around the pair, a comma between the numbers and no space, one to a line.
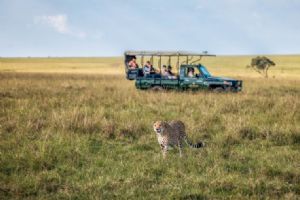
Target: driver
(191,72)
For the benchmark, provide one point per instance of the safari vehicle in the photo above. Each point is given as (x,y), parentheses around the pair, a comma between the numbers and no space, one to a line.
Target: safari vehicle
(185,62)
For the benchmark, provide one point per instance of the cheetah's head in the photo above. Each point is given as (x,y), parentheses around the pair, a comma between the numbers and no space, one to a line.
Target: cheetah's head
(158,127)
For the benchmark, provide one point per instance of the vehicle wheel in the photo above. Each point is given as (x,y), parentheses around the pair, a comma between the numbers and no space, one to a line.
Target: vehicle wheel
(218,89)
(157,89)
(234,90)
(228,89)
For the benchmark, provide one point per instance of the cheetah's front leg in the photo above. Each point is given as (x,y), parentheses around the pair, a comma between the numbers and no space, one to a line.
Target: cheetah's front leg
(164,151)
(180,149)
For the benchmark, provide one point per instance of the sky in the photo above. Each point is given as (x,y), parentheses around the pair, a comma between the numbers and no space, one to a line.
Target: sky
(64,28)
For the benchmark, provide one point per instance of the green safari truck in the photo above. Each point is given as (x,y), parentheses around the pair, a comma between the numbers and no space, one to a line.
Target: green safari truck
(189,75)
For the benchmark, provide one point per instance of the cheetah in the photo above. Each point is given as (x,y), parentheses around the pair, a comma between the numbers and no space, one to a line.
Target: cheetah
(172,134)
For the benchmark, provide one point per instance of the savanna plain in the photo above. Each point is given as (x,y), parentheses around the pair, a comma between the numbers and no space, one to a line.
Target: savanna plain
(75,128)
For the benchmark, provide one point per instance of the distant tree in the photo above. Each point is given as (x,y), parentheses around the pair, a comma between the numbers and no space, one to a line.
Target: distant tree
(261,64)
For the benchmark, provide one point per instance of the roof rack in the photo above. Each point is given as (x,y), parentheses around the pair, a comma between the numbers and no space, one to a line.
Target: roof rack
(165,53)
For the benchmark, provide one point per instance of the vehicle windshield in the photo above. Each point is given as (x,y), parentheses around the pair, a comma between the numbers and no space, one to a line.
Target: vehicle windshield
(204,71)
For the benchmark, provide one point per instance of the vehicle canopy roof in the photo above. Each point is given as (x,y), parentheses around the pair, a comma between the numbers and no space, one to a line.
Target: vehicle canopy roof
(165,53)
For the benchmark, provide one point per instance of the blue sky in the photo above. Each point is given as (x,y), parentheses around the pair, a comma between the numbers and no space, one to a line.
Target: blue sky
(108,27)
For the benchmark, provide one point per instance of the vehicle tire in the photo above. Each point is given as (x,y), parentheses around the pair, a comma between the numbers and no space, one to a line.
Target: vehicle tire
(218,89)
(157,89)
(228,89)
(233,90)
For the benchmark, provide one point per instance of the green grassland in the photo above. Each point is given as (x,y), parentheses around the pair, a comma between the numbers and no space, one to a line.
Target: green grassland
(75,128)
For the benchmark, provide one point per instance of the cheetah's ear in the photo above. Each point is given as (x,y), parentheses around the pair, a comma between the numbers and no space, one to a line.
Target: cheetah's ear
(164,123)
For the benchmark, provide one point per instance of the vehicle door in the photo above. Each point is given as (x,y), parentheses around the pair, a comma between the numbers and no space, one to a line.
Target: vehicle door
(192,80)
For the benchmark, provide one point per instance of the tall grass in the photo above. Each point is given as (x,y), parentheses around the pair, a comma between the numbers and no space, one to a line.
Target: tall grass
(68,136)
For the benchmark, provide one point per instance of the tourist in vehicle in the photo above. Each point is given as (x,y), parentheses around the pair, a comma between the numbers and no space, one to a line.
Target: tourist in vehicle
(165,71)
(191,72)
(170,70)
(148,68)
(171,74)
(132,64)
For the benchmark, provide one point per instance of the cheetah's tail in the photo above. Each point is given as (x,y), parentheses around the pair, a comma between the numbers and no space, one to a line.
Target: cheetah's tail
(197,145)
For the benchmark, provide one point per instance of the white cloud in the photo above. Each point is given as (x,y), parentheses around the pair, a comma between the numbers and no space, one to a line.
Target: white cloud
(60,24)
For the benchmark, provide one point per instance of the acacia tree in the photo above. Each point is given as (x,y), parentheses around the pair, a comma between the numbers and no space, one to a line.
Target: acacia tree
(261,64)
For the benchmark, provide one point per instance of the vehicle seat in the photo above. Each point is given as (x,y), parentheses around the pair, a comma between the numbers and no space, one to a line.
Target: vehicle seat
(140,72)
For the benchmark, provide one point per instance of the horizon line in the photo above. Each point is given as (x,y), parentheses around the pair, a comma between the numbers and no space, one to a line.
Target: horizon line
(116,56)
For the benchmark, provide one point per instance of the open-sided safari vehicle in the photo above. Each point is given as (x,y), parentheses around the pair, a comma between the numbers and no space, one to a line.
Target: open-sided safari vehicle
(190,74)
